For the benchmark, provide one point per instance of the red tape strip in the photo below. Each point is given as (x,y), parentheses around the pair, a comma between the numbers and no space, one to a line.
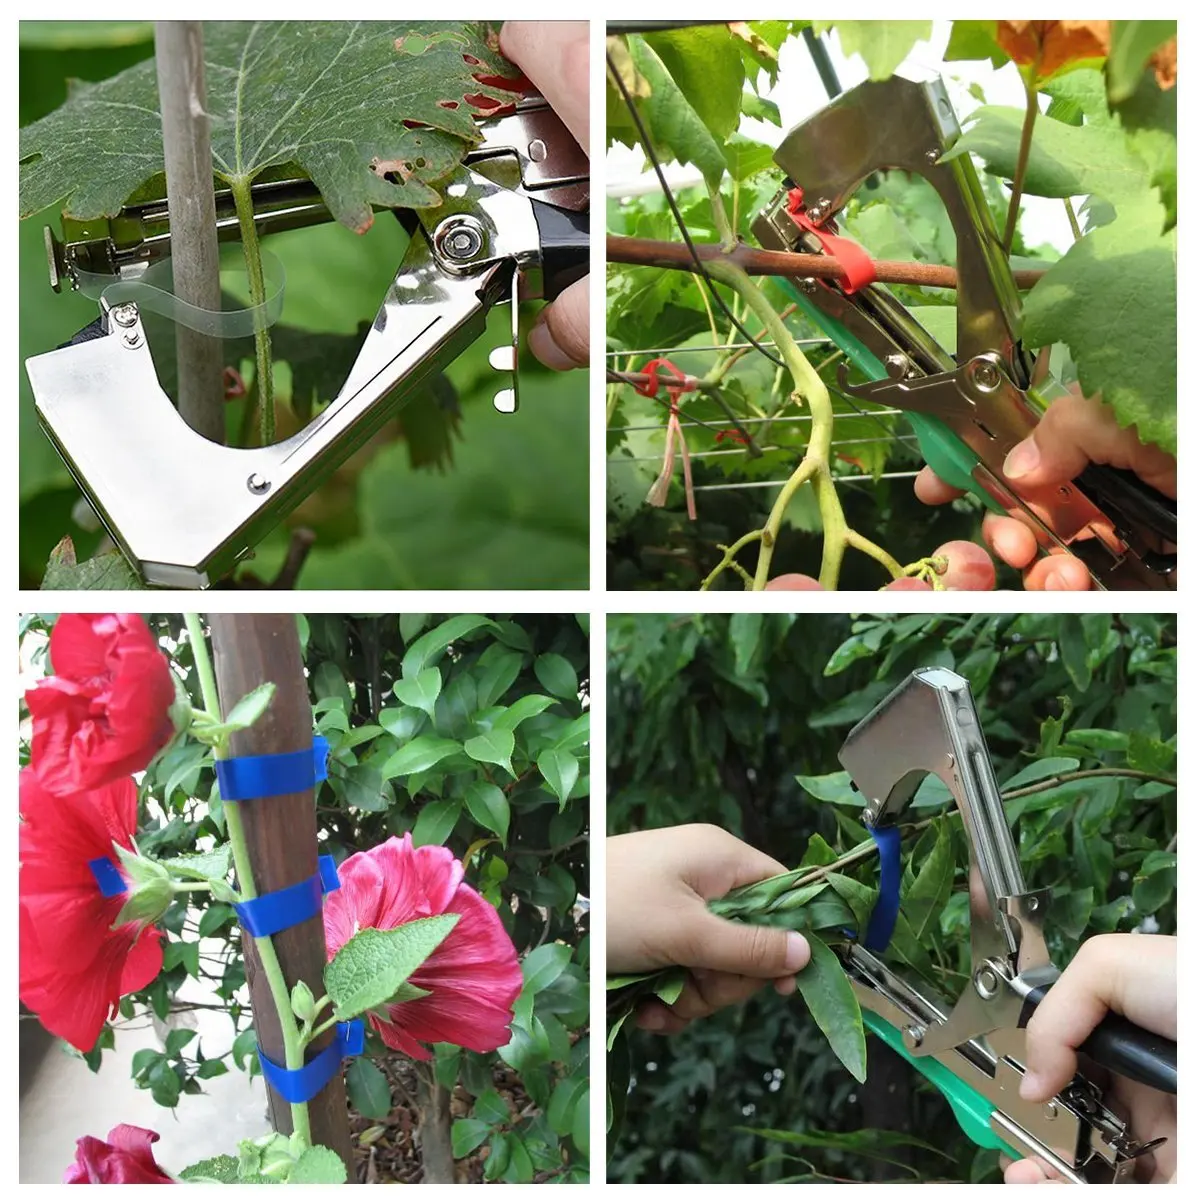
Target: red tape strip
(851,257)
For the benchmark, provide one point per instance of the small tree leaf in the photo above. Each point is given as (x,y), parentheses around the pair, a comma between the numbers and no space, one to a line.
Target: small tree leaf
(419,755)
(210,864)
(421,691)
(466,1135)
(495,746)
(318,1164)
(834,1007)
(368,1087)
(249,708)
(488,807)
(522,710)
(369,969)
(436,822)
(542,966)
(557,676)
(925,900)
(560,770)
(883,45)
(429,646)
(835,788)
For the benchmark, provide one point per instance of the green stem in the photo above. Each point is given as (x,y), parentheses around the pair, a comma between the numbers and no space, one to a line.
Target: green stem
(1076,232)
(293,1047)
(204,886)
(1014,202)
(721,219)
(320,1029)
(244,203)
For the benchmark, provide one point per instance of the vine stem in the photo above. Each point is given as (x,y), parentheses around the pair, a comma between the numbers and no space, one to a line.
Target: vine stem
(243,200)
(1014,201)
(293,1046)
(814,466)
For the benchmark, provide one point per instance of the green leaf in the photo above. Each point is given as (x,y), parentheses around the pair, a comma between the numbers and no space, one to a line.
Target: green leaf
(543,965)
(370,1094)
(859,897)
(362,786)
(419,755)
(883,45)
(468,1134)
(215,917)
(974,39)
(521,710)
(430,645)
(489,1106)
(834,1007)
(1132,44)
(436,822)
(1149,119)
(580,1124)
(498,676)
(673,124)
(331,97)
(560,770)
(210,864)
(745,159)
(318,1164)
(249,708)
(557,676)
(369,969)
(211,1068)
(925,900)
(744,631)
(1043,768)
(707,67)
(421,691)
(1113,289)
(761,109)
(222,1169)
(495,746)
(1064,160)
(488,807)
(176,1040)
(108,571)
(835,788)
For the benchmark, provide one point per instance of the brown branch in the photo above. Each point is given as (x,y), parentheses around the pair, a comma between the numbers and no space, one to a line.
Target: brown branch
(675,256)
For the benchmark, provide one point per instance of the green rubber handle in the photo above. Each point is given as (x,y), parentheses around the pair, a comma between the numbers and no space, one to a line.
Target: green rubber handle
(949,456)
(972,1110)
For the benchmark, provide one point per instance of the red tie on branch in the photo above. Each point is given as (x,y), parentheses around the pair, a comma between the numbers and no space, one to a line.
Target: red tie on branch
(658,490)
(851,257)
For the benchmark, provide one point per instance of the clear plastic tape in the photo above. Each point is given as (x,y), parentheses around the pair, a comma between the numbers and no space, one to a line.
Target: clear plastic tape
(154,291)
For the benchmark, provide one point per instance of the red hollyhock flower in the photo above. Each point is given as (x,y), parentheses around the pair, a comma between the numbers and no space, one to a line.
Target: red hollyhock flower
(125,1158)
(105,712)
(473,977)
(74,967)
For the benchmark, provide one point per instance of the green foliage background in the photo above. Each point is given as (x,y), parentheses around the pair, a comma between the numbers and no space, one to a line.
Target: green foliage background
(486,500)
(712,718)
(523,835)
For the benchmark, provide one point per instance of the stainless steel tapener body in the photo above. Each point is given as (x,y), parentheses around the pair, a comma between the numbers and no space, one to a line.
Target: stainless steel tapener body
(185,510)
(974,1050)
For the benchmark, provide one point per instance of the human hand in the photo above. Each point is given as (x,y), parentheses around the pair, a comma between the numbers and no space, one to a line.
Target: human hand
(555,55)
(968,569)
(1134,975)
(1074,432)
(658,885)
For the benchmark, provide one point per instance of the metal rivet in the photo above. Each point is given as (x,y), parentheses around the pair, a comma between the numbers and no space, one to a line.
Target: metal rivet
(898,366)
(914,1035)
(1051,1111)
(459,238)
(986,983)
(987,376)
(537,150)
(124,315)
(132,340)
(808,286)
(257,484)
(932,156)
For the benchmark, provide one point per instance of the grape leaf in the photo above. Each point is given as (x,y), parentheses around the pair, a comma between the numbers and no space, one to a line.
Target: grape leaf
(336,98)
(883,45)
(1133,42)
(1114,290)
(706,65)
(673,124)
(108,570)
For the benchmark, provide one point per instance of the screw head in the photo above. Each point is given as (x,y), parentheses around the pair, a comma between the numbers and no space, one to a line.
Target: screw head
(897,366)
(132,339)
(258,484)
(460,238)
(124,315)
(914,1035)
(931,156)
(808,286)
(987,376)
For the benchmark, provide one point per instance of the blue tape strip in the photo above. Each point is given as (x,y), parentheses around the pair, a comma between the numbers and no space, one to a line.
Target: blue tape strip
(887,905)
(301,1085)
(109,880)
(277,911)
(257,775)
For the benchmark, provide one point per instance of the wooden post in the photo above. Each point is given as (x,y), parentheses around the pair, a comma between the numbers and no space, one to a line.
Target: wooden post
(187,152)
(281,834)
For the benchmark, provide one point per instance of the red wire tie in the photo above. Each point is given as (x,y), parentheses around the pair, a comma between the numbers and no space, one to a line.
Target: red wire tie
(734,435)
(850,256)
(681,383)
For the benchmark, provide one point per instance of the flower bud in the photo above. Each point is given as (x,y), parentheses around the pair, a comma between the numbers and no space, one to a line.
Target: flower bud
(149,892)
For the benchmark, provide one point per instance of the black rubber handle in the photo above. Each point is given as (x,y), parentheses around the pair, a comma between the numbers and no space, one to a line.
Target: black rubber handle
(566,245)
(1123,1047)
(1128,501)
(86,334)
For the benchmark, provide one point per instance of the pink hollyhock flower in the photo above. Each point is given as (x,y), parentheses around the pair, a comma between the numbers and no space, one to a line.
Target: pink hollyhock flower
(105,712)
(125,1158)
(473,977)
(74,967)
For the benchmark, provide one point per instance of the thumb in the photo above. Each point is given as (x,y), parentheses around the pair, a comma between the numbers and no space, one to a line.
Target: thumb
(760,951)
(560,337)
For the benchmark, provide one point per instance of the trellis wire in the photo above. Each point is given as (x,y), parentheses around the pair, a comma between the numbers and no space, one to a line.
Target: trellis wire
(718,453)
(880,412)
(766,483)
(822,341)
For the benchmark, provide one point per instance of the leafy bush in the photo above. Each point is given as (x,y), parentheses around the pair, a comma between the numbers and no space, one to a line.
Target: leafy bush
(713,718)
(407,756)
